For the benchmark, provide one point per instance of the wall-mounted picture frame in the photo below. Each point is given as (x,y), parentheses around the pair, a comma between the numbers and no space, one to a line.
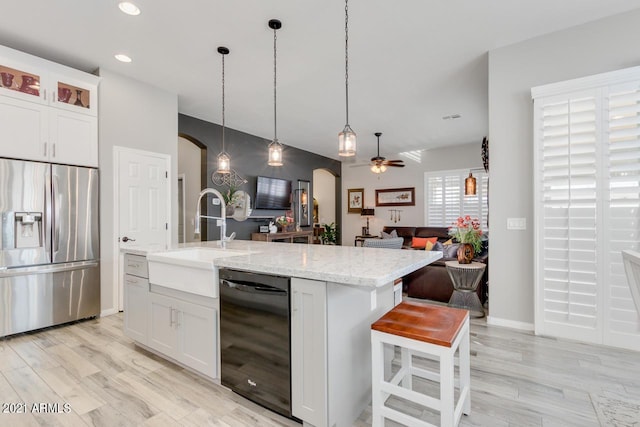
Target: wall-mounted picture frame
(396,197)
(355,200)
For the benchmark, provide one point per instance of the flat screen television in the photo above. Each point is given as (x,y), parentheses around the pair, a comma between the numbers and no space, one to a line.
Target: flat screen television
(273,193)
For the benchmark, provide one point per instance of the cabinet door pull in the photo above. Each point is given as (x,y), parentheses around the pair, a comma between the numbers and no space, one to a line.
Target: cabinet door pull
(170,317)
(45,149)
(45,94)
(53,151)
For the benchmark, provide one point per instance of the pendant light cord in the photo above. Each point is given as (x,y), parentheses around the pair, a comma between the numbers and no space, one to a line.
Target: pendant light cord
(346,56)
(275,122)
(223,103)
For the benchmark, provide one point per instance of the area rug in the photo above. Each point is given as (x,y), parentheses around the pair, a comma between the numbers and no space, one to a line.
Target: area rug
(616,412)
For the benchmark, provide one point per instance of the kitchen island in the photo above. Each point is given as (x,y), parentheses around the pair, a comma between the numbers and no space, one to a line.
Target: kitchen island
(336,293)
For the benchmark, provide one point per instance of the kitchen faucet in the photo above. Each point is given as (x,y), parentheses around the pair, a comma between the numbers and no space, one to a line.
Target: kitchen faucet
(222,218)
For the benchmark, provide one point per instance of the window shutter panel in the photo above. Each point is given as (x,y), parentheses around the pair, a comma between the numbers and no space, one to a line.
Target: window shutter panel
(445,199)
(587,199)
(622,207)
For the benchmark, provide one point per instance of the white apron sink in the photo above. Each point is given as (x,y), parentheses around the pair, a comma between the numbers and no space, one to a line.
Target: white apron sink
(189,269)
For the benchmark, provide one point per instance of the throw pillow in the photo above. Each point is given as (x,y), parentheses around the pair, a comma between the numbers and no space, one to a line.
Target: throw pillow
(421,242)
(448,242)
(428,246)
(451,251)
(392,235)
(437,246)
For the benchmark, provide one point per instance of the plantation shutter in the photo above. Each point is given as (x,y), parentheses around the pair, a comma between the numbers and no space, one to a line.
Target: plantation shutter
(568,132)
(445,199)
(622,207)
(587,202)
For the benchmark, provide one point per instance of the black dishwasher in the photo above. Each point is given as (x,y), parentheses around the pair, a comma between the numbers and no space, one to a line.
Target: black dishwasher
(255,338)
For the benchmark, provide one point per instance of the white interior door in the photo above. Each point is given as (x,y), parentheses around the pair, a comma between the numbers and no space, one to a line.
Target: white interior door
(142,200)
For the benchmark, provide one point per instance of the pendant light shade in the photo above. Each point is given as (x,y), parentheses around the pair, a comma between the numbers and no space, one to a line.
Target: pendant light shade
(275,148)
(224,161)
(346,138)
(470,185)
(275,153)
(347,142)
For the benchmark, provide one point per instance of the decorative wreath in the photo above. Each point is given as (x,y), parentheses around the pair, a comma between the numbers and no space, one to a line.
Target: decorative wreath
(485,153)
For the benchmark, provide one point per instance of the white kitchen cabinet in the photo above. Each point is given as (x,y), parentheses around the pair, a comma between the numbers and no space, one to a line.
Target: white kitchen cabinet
(73,138)
(330,329)
(23,129)
(309,351)
(48,111)
(163,334)
(184,330)
(136,297)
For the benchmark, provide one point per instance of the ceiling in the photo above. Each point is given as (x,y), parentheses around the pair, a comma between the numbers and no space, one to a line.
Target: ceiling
(411,62)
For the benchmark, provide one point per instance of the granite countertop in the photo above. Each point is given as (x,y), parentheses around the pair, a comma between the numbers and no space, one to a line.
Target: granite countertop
(369,267)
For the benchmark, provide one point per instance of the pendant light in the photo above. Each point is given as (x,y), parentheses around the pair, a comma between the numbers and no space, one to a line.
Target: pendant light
(346,138)
(275,148)
(224,162)
(470,185)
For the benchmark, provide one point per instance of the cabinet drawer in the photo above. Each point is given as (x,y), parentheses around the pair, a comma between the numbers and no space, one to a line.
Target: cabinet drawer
(136,265)
(141,282)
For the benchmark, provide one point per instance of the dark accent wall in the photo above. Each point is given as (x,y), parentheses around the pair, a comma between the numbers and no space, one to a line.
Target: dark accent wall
(249,159)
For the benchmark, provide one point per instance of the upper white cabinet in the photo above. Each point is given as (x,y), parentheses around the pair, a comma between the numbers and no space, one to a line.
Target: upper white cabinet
(48,112)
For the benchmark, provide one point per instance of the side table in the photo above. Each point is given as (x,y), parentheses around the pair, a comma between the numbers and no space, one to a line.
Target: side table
(465,279)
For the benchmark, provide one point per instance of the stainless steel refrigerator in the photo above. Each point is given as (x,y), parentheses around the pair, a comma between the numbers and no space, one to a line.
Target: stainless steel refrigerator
(49,263)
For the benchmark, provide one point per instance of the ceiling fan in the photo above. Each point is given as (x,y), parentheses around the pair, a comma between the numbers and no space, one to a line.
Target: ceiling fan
(379,164)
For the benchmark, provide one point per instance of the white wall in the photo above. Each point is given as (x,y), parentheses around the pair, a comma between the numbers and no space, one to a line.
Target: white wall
(189,158)
(412,175)
(136,115)
(324,191)
(597,47)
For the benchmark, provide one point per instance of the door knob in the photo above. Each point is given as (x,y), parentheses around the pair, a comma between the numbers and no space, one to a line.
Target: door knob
(126,239)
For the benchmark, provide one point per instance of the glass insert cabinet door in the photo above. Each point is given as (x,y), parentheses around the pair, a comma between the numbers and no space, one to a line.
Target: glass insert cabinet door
(73,95)
(21,81)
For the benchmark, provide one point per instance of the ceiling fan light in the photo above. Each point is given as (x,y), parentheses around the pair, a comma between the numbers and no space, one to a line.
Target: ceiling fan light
(275,153)
(378,168)
(347,142)
(224,163)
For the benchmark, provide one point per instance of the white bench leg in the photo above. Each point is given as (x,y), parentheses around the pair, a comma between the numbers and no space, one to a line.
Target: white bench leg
(407,380)
(465,369)
(446,390)
(377,376)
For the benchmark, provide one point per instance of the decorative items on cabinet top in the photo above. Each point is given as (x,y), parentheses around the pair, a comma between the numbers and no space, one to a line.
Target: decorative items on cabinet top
(34,79)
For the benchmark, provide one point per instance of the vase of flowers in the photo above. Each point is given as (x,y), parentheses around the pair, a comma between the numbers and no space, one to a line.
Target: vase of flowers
(230,197)
(284,223)
(467,232)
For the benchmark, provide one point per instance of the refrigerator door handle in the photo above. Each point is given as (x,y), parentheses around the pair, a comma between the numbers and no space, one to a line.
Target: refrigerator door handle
(56,210)
(50,268)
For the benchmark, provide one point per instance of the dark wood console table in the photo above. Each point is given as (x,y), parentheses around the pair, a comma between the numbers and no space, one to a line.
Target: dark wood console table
(287,236)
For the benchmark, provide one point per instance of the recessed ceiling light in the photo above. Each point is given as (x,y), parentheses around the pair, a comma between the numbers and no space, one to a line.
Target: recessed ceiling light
(129,8)
(122,57)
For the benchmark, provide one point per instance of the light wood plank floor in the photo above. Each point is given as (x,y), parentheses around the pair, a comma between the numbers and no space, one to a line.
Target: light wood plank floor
(517,379)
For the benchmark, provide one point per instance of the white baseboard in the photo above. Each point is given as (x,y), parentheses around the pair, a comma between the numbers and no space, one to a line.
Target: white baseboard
(513,324)
(108,312)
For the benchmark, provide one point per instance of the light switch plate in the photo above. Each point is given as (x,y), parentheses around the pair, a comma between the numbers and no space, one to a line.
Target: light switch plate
(215,201)
(516,223)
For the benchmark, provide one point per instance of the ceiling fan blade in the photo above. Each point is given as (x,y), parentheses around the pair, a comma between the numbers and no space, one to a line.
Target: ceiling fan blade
(395,165)
(394,161)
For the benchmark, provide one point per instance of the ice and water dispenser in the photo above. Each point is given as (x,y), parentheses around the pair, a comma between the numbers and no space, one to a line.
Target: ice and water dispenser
(22,230)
